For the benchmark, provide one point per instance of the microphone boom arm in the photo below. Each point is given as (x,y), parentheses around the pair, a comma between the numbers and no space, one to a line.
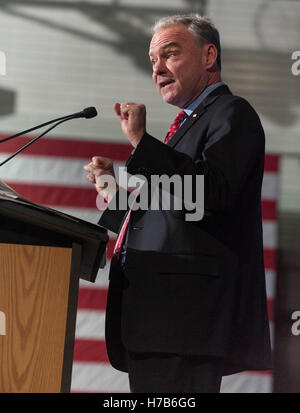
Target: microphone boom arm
(36,127)
(34,140)
(87,113)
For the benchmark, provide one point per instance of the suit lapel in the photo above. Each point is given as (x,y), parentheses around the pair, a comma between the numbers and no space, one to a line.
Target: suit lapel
(198,112)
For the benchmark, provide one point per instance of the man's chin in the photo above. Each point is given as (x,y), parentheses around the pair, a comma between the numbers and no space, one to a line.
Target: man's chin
(170,99)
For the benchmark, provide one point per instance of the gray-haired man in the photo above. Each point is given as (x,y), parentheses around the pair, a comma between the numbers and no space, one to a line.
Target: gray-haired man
(187,305)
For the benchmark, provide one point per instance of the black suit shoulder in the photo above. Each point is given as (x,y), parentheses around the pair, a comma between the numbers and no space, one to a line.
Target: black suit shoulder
(232,119)
(226,104)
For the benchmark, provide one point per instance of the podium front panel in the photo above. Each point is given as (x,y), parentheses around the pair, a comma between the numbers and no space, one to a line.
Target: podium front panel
(35,283)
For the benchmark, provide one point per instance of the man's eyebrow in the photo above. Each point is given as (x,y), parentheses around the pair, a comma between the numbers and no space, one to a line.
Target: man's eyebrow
(165,46)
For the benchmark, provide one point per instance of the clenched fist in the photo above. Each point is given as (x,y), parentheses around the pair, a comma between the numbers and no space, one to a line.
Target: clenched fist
(132,117)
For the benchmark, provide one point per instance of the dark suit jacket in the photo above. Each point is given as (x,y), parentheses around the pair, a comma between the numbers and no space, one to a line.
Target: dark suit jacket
(197,287)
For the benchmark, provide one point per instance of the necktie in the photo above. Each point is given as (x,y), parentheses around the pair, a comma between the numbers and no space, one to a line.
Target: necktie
(173,128)
(175,125)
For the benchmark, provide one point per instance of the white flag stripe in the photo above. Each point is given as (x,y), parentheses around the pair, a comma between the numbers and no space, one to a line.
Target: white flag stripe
(47,170)
(272,333)
(87,214)
(90,324)
(247,383)
(270,283)
(65,171)
(270,186)
(270,234)
(98,377)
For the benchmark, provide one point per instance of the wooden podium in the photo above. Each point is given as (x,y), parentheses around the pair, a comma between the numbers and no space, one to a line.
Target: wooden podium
(43,253)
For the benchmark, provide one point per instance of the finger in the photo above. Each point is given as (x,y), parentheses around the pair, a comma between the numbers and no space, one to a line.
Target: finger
(101,181)
(117,108)
(125,110)
(128,105)
(91,178)
(98,189)
(99,172)
(101,161)
(96,163)
(88,167)
(123,114)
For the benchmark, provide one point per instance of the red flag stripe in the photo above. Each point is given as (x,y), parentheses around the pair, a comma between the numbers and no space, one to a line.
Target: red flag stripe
(262,372)
(270,258)
(92,298)
(270,305)
(81,197)
(75,148)
(68,148)
(90,351)
(269,210)
(51,195)
(271,163)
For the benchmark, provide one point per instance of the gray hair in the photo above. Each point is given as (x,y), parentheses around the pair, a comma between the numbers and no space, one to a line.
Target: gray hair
(200,26)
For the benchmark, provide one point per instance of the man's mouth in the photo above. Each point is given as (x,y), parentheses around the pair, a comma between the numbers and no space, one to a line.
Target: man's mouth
(166,83)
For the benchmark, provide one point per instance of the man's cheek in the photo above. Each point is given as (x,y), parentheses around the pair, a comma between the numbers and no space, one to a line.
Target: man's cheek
(156,85)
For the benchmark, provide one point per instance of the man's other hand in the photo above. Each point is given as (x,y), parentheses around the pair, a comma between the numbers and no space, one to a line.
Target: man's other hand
(101,174)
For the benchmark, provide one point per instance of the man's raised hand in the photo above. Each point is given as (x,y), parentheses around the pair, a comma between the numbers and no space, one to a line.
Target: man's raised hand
(132,117)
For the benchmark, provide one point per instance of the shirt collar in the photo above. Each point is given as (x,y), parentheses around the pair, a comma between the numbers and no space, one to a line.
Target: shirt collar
(190,109)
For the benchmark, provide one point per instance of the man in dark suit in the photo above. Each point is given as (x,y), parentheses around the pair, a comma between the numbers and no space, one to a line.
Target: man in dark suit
(187,300)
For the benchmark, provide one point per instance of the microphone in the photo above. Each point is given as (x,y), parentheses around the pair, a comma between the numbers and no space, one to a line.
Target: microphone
(87,113)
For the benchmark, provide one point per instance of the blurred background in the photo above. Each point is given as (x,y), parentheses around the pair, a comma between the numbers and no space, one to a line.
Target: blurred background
(62,56)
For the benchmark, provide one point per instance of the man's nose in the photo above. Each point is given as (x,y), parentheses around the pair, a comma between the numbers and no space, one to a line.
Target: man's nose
(159,67)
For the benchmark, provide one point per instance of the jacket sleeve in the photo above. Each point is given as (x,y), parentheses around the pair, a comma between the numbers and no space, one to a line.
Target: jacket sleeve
(113,216)
(233,147)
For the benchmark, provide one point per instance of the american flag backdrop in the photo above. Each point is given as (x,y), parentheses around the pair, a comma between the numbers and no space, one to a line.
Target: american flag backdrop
(51,173)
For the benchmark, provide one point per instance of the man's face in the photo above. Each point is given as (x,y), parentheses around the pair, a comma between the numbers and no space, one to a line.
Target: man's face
(179,71)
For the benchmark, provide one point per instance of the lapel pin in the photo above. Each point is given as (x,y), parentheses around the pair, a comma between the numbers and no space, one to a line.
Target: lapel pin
(194,115)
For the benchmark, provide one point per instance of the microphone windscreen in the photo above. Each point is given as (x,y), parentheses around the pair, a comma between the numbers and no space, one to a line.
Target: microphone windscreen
(90,112)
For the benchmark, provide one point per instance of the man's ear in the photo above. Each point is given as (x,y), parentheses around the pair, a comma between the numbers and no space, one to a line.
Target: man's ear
(211,55)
